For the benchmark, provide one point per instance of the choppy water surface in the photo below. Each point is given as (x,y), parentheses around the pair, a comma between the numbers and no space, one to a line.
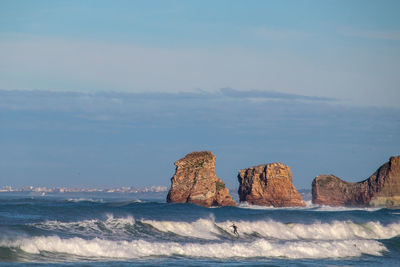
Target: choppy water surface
(101,231)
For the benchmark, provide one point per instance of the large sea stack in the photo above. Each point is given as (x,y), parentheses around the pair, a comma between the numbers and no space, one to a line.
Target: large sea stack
(381,189)
(195,182)
(269,185)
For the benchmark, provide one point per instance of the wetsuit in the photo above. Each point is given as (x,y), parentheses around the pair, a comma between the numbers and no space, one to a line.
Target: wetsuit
(235,229)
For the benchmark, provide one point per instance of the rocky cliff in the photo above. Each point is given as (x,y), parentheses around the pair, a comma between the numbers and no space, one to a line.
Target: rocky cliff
(195,182)
(269,185)
(381,189)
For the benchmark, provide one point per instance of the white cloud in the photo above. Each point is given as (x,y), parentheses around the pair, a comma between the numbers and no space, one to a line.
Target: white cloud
(71,65)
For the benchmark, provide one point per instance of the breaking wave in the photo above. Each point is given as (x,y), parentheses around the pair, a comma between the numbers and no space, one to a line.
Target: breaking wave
(140,248)
(122,232)
(208,229)
(86,200)
(94,227)
(309,206)
(336,230)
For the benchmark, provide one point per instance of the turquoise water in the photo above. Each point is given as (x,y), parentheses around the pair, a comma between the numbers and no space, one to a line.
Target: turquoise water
(93,230)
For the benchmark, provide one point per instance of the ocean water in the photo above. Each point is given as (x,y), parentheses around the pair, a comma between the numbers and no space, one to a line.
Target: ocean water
(93,230)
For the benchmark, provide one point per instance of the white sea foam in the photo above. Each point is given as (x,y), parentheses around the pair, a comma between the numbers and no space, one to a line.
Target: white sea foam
(330,208)
(116,226)
(208,229)
(140,248)
(275,239)
(336,230)
(85,200)
(309,206)
(202,228)
(245,205)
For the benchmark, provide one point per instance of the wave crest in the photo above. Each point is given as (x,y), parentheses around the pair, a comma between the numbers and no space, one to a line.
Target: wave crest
(140,248)
(208,229)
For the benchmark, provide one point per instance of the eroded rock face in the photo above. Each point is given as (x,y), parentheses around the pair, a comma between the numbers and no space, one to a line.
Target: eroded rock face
(195,182)
(381,189)
(269,185)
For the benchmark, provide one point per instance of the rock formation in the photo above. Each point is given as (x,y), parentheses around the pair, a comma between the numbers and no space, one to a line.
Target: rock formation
(195,181)
(381,189)
(269,185)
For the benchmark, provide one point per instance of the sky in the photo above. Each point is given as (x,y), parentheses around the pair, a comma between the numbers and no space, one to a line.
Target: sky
(112,93)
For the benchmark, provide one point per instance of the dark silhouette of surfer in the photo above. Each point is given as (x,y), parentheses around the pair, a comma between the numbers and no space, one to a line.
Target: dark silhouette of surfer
(235,229)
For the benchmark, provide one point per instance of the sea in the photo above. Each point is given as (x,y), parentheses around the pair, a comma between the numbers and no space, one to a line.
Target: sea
(139,230)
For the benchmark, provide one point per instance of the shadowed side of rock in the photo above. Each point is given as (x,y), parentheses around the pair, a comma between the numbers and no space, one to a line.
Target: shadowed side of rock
(381,189)
(331,190)
(269,185)
(195,182)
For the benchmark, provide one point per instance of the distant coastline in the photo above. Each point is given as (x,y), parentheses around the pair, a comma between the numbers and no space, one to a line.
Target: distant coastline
(160,191)
(124,189)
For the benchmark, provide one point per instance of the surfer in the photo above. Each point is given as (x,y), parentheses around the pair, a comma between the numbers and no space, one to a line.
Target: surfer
(235,229)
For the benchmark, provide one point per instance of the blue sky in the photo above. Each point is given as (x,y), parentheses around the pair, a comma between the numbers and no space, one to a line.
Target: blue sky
(111,89)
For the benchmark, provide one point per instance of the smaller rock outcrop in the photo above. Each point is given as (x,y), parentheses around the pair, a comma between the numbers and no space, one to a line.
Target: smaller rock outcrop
(195,182)
(381,189)
(269,185)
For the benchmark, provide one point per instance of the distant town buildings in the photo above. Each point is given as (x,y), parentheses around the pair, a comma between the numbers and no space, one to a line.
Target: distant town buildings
(125,189)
